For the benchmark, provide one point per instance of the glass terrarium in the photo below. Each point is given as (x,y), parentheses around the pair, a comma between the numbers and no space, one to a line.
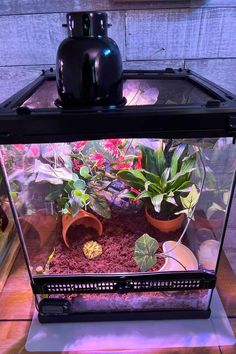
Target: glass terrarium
(123,209)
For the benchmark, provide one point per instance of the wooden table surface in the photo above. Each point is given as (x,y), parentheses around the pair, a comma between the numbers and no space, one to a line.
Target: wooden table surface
(17,307)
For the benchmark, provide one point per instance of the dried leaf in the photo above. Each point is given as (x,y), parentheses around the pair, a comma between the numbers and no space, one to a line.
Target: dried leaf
(92,249)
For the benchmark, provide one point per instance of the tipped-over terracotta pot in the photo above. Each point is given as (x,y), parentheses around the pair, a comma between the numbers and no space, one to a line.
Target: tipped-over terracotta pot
(44,224)
(165,225)
(82,218)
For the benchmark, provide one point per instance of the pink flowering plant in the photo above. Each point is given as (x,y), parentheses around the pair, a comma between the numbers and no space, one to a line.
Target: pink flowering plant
(73,176)
(80,173)
(102,156)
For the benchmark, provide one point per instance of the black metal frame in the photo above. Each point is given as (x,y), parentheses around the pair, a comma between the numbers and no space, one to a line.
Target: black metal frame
(216,118)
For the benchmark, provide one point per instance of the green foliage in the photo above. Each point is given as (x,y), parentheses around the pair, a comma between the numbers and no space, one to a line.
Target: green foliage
(189,201)
(165,175)
(145,252)
(79,193)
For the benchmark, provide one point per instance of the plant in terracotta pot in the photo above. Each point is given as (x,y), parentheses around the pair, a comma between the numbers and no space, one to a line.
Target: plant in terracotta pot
(78,199)
(74,190)
(164,184)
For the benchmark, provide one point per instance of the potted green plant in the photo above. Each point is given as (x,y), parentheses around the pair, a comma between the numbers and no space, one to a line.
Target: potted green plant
(77,196)
(164,184)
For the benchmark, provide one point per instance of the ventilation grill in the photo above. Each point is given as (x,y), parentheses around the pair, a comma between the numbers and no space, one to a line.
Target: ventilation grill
(123,286)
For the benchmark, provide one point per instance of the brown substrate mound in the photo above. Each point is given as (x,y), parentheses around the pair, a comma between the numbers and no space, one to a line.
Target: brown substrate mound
(118,241)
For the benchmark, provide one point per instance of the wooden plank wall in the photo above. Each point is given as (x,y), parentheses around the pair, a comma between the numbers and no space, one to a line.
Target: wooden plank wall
(198,34)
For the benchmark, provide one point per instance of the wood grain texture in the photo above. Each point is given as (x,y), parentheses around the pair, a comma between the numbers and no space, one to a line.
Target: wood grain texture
(34,39)
(226,286)
(180,34)
(16,299)
(220,71)
(8,262)
(8,7)
(153,65)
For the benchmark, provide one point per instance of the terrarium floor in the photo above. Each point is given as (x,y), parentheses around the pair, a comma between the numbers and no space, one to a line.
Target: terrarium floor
(16,311)
(117,241)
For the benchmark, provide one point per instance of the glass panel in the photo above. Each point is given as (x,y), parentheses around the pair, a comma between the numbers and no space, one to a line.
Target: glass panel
(143,301)
(137,92)
(121,205)
(9,243)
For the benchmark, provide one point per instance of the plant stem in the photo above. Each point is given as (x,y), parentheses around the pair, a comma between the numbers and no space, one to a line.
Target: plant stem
(193,210)
(167,256)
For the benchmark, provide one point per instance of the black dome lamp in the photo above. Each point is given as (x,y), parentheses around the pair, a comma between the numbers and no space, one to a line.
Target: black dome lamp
(89,66)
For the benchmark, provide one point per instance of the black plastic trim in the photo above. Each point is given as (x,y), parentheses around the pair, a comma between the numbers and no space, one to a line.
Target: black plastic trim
(123,283)
(126,316)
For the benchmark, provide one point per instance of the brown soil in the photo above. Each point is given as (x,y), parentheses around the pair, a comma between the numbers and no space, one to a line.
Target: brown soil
(118,240)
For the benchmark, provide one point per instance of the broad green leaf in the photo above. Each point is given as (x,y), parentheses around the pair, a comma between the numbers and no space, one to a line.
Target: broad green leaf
(129,195)
(164,177)
(144,194)
(79,184)
(145,252)
(133,181)
(179,151)
(185,187)
(63,202)
(146,185)
(84,172)
(160,158)
(99,205)
(76,205)
(85,199)
(148,159)
(182,173)
(189,163)
(156,201)
(192,198)
(77,193)
(152,177)
(69,187)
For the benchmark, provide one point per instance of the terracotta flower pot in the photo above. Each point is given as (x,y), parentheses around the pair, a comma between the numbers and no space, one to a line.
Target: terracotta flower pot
(82,218)
(165,225)
(44,224)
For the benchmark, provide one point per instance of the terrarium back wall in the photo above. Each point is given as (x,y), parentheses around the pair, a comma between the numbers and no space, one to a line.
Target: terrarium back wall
(197,34)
